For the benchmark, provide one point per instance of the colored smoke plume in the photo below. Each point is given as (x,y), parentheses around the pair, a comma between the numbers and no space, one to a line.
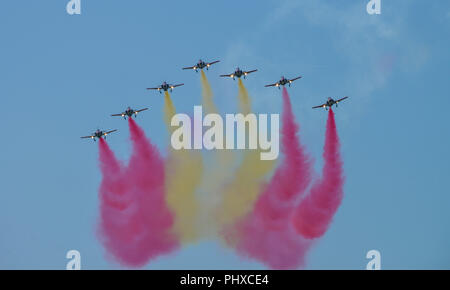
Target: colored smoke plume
(316,211)
(266,234)
(240,193)
(135,221)
(244,98)
(207,95)
(169,111)
(148,206)
(184,169)
(218,170)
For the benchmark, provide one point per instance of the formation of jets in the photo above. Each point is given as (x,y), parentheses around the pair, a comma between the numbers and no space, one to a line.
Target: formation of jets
(283,81)
(330,102)
(165,87)
(98,134)
(129,112)
(238,73)
(200,65)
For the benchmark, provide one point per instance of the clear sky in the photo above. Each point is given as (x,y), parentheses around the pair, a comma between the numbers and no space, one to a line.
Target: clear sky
(61,76)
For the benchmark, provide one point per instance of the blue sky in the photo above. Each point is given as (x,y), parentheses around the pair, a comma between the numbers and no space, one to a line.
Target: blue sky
(61,76)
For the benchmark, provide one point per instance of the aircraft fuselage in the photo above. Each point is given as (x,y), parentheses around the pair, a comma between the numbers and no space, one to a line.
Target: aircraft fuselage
(284,81)
(201,65)
(98,134)
(238,73)
(165,87)
(330,102)
(130,112)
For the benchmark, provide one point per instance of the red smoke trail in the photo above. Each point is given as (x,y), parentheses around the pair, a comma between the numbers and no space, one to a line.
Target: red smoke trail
(135,220)
(316,211)
(267,234)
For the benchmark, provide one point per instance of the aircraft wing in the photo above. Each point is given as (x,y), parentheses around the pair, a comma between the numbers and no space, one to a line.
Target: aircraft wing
(213,62)
(190,67)
(321,106)
(158,88)
(250,71)
(117,115)
(271,85)
(85,137)
(227,76)
(106,133)
(138,111)
(174,86)
(341,99)
(294,79)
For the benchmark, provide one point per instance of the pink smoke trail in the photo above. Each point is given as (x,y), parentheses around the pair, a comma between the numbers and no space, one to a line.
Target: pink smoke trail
(315,213)
(135,221)
(267,234)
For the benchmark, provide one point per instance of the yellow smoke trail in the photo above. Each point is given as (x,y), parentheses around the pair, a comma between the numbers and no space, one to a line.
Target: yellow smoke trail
(169,111)
(184,169)
(218,171)
(244,98)
(207,94)
(240,194)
